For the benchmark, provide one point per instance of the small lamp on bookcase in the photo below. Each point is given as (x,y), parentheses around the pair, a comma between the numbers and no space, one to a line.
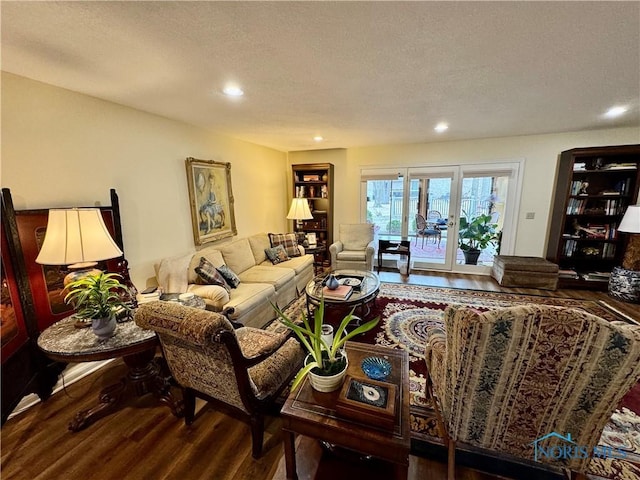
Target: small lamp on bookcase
(624,283)
(300,211)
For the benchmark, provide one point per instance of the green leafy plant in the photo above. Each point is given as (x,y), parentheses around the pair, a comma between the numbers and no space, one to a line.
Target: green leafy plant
(96,296)
(326,359)
(476,233)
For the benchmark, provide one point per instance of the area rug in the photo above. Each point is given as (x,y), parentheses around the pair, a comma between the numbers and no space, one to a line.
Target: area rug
(407,310)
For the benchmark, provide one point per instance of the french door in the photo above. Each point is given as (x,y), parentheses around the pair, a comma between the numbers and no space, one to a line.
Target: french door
(424,205)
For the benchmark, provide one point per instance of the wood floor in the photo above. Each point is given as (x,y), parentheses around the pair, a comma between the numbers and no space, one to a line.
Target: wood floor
(144,441)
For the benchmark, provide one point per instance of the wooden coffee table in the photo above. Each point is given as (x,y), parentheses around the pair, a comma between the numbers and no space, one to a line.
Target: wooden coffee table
(310,413)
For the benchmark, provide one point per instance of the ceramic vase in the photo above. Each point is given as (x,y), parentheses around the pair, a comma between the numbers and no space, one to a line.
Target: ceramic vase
(104,327)
(332,282)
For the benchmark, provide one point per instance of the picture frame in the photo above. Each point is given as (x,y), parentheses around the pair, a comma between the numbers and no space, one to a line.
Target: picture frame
(211,200)
(311,238)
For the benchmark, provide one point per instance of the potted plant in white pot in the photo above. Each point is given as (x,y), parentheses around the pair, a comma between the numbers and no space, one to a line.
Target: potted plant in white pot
(476,234)
(325,364)
(97,297)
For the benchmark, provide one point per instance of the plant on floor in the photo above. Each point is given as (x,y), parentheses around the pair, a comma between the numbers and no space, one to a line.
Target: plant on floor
(323,359)
(475,235)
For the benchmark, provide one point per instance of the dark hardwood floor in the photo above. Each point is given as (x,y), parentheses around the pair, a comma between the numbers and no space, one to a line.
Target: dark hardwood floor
(144,441)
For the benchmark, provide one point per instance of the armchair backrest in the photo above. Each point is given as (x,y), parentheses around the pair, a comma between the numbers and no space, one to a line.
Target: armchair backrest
(195,345)
(515,375)
(356,236)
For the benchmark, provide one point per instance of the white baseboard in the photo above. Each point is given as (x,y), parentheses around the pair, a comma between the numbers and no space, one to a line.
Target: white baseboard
(70,375)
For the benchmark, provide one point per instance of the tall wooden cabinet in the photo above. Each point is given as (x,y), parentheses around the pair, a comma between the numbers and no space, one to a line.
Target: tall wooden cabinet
(594,187)
(315,183)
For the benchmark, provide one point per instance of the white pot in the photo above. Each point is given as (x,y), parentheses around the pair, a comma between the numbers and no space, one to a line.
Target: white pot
(104,327)
(331,383)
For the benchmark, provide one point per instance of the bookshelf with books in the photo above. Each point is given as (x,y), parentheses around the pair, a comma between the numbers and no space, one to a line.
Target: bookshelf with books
(594,187)
(315,183)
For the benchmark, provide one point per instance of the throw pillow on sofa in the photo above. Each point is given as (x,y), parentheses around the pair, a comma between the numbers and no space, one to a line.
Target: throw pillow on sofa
(229,275)
(288,241)
(276,254)
(209,274)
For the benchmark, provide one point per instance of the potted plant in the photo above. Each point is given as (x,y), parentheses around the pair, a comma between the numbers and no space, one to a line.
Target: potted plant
(325,364)
(475,235)
(97,297)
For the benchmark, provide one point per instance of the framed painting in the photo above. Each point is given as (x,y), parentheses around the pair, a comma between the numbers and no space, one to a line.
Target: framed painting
(211,200)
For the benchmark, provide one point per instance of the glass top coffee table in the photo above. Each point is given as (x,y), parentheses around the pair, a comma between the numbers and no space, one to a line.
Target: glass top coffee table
(365,285)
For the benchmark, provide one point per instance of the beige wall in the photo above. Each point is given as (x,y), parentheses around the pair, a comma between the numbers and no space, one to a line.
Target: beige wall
(540,154)
(61,149)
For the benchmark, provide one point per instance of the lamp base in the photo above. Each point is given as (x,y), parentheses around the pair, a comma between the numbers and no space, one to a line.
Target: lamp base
(625,285)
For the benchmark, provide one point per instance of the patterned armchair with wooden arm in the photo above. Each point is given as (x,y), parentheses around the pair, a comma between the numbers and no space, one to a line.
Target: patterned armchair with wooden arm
(505,379)
(243,370)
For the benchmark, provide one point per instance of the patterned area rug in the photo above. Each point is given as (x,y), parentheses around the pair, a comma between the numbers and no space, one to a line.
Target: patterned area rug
(407,310)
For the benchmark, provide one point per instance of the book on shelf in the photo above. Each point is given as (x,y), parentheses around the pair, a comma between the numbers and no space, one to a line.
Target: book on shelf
(343,292)
(567,273)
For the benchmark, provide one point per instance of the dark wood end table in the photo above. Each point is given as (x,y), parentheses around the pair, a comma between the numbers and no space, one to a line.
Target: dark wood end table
(63,342)
(402,247)
(310,413)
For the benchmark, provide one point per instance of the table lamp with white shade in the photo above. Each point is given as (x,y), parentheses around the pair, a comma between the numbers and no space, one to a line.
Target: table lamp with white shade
(624,283)
(77,238)
(299,211)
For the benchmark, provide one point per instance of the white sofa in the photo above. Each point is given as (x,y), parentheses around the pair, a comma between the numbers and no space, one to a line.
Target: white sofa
(261,282)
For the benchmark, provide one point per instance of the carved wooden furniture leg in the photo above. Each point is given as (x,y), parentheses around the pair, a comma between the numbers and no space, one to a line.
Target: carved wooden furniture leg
(289,439)
(144,376)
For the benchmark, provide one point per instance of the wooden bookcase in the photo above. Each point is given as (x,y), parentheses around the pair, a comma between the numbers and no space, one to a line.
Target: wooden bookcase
(594,187)
(315,183)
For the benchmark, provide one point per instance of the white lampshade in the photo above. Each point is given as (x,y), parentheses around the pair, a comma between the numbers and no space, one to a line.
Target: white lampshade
(299,210)
(631,221)
(76,235)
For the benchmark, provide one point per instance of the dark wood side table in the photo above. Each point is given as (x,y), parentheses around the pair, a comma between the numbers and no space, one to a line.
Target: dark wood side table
(402,247)
(63,342)
(319,254)
(310,413)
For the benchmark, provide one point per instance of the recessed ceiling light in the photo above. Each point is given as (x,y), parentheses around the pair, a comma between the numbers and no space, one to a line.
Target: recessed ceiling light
(318,138)
(233,91)
(441,127)
(615,111)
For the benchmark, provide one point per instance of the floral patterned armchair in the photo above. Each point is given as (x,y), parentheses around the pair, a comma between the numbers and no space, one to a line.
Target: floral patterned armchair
(504,380)
(243,370)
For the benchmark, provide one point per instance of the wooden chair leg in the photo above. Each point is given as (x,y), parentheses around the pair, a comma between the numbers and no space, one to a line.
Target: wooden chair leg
(189,399)
(451,460)
(257,434)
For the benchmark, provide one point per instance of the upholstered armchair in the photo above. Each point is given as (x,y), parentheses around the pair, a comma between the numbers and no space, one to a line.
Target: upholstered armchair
(504,380)
(354,247)
(240,370)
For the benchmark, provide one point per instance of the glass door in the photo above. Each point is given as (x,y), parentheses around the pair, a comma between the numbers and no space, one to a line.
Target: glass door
(431,217)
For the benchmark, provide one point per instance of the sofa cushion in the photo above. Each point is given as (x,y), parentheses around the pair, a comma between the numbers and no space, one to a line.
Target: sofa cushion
(238,255)
(210,274)
(297,264)
(288,241)
(232,279)
(258,244)
(350,255)
(276,254)
(211,254)
(268,274)
(250,296)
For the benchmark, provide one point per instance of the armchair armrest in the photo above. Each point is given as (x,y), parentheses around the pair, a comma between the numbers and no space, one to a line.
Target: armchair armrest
(256,344)
(334,249)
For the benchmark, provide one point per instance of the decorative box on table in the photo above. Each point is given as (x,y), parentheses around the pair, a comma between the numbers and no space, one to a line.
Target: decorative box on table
(368,401)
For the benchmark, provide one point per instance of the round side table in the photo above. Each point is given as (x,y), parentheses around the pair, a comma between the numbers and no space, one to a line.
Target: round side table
(63,342)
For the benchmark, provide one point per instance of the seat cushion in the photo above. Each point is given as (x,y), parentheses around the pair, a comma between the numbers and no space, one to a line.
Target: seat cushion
(278,277)
(297,264)
(249,296)
(268,377)
(255,341)
(352,255)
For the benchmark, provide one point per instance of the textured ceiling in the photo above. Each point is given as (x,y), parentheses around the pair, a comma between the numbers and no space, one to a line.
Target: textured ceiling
(357,73)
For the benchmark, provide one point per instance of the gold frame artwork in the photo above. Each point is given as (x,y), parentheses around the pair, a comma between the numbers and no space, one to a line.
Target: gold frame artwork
(211,200)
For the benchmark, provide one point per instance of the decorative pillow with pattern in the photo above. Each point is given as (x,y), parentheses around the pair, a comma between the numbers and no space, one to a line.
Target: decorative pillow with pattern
(229,275)
(209,274)
(276,254)
(287,240)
